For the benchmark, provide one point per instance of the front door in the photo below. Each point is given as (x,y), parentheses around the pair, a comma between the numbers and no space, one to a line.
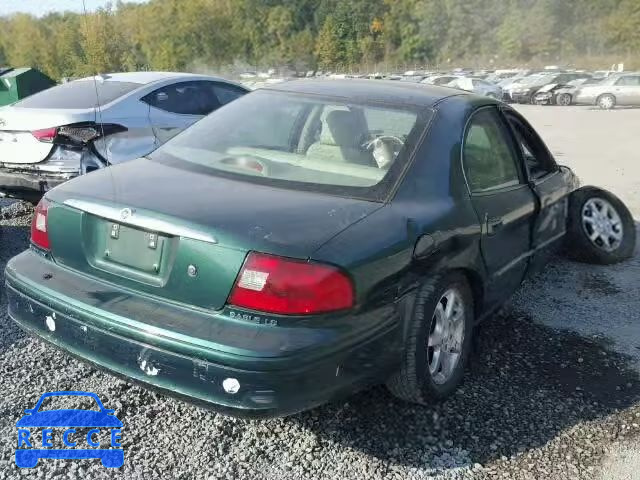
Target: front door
(550,185)
(174,107)
(503,200)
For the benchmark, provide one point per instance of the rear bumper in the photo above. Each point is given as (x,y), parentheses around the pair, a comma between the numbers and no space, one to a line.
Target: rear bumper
(331,362)
(27,186)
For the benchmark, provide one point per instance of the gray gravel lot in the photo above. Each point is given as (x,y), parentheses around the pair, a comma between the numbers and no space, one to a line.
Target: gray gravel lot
(538,402)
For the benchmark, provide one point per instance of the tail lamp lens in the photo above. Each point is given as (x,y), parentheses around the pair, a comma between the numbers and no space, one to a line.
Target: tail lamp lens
(46,135)
(39,234)
(286,286)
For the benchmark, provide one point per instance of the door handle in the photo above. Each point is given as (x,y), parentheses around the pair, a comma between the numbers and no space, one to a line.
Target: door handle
(494,224)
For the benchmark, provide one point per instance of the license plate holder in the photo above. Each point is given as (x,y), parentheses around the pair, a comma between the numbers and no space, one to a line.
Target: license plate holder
(134,248)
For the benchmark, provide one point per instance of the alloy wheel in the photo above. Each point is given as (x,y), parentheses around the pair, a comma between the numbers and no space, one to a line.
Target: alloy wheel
(564,99)
(606,102)
(602,224)
(446,336)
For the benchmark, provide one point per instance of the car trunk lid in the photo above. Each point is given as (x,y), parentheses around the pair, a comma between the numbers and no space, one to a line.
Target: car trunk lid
(183,235)
(18,145)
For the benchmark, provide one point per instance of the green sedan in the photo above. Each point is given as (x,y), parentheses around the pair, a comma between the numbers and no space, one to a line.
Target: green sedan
(308,240)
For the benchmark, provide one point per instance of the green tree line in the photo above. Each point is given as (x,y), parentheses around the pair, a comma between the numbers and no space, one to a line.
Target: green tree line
(325,34)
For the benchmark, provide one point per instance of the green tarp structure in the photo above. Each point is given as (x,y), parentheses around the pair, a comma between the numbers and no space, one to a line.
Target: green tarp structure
(18,83)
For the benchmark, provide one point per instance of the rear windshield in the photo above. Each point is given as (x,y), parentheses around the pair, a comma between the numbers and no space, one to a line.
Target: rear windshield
(303,142)
(79,94)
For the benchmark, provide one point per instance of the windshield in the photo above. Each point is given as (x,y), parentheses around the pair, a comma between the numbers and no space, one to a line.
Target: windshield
(302,142)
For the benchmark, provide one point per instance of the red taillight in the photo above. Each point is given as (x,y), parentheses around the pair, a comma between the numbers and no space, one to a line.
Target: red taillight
(268,283)
(46,135)
(39,234)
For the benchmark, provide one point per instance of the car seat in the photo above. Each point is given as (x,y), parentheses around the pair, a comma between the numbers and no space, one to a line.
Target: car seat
(340,140)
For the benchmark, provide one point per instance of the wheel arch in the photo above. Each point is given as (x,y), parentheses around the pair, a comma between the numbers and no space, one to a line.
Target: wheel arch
(476,284)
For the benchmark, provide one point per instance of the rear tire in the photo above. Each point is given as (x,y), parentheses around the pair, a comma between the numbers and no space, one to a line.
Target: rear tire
(606,101)
(600,228)
(434,357)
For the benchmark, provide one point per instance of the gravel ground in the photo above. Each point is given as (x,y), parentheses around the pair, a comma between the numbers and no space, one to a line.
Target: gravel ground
(537,402)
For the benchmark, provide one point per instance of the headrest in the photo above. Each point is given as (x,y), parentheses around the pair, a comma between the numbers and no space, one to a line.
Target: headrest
(341,128)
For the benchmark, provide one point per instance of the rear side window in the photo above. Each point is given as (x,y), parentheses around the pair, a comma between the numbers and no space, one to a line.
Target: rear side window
(488,153)
(79,94)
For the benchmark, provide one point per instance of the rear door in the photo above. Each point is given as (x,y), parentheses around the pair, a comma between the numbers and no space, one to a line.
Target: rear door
(547,182)
(504,202)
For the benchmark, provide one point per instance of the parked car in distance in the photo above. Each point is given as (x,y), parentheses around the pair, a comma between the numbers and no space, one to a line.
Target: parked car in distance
(477,86)
(307,240)
(439,79)
(524,92)
(502,75)
(615,90)
(562,94)
(87,124)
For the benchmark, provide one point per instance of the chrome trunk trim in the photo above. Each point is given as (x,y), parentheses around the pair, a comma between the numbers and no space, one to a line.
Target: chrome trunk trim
(135,219)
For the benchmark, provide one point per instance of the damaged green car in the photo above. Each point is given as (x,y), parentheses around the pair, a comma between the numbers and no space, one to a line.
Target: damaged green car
(305,241)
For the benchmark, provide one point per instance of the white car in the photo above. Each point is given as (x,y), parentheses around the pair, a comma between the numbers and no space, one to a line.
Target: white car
(87,124)
(439,79)
(477,86)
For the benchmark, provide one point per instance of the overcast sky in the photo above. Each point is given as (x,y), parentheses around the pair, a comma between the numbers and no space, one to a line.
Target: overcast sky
(42,7)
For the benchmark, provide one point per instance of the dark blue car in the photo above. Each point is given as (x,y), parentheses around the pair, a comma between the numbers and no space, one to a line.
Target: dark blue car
(68,418)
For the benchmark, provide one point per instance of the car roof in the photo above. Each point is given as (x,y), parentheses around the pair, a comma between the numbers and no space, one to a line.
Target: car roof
(383,91)
(144,78)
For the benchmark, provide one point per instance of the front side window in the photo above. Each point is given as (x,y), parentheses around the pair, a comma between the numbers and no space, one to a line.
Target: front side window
(488,153)
(303,142)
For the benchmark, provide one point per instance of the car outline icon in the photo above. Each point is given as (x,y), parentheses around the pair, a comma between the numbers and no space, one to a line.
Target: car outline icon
(69,418)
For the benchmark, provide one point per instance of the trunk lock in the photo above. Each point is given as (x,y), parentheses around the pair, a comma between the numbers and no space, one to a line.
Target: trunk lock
(115,230)
(153,241)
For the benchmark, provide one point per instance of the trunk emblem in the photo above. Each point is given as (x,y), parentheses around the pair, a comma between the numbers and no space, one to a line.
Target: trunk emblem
(126,213)
(115,230)
(192,270)
(2,122)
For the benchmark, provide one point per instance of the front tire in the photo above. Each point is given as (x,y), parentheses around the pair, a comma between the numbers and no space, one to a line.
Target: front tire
(564,99)
(606,101)
(600,227)
(438,342)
